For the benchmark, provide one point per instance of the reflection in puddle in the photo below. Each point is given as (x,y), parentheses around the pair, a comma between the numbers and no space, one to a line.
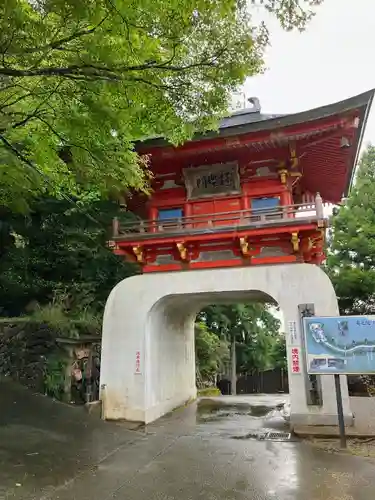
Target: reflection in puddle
(241,422)
(214,412)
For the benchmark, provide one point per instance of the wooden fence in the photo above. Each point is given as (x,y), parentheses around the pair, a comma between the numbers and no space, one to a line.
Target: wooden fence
(267,382)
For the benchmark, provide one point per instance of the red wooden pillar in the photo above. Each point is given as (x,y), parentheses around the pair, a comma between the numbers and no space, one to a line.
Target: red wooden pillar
(291,201)
(187,213)
(246,207)
(153,219)
(285,197)
(286,200)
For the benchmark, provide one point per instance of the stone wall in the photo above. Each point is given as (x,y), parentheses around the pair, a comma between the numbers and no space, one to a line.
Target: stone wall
(24,349)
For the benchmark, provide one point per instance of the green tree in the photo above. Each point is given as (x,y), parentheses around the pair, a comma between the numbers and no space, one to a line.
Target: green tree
(250,329)
(226,320)
(80,81)
(58,252)
(278,353)
(211,352)
(351,251)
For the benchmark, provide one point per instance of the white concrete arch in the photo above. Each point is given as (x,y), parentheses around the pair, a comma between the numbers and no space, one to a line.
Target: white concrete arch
(153,315)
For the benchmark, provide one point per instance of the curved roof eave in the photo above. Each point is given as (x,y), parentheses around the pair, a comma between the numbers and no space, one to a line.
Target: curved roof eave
(252,122)
(359,138)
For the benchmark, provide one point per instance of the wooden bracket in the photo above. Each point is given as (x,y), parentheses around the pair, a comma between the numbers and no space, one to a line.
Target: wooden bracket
(138,252)
(296,174)
(314,240)
(294,160)
(295,242)
(306,245)
(182,251)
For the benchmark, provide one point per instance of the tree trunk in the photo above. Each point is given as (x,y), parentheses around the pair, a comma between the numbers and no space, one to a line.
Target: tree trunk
(234,369)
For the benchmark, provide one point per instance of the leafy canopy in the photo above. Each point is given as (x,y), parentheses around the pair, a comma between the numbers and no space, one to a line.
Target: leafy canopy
(255,329)
(80,81)
(56,255)
(351,258)
(212,353)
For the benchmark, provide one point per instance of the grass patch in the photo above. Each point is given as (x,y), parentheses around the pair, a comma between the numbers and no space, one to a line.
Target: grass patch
(209,391)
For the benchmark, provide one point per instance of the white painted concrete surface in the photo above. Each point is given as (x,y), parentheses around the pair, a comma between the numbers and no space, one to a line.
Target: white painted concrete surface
(153,314)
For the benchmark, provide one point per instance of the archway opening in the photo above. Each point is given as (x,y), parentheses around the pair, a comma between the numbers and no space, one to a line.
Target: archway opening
(189,350)
(240,347)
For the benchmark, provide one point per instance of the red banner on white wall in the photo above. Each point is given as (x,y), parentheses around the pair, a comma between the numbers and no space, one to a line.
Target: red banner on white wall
(138,370)
(296,361)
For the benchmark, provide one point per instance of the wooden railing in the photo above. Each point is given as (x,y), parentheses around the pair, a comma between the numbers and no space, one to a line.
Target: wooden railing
(219,221)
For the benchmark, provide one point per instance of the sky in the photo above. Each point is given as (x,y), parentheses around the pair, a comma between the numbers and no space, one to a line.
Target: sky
(332,60)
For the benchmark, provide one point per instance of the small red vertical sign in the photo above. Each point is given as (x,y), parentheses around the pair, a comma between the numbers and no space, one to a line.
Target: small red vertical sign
(138,362)
(296,367)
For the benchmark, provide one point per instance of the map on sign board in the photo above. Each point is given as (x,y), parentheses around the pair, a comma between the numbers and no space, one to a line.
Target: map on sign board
(341,344)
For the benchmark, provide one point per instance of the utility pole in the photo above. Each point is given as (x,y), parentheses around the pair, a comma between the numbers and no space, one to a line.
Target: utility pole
(233,368)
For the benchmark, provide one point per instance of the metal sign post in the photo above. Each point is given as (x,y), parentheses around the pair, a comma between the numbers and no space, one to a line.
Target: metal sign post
(340,412)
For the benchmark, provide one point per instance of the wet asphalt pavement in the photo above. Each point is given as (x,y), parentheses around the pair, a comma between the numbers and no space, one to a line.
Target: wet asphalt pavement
(50,451)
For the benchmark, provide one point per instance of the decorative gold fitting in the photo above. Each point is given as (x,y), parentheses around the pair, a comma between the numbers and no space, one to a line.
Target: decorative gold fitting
(283,175)
(310,243)
(245,247)
(295,242)
(138,251)
(294,161)
(182,250)
(314,241)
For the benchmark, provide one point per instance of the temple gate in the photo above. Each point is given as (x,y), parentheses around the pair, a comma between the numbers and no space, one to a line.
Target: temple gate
(234,215)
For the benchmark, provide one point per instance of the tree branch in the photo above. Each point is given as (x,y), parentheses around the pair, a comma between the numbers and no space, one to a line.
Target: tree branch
(34,114)
(57,43)
(35,169)
(67,143)
(20,98)
(93,71)
(18,154)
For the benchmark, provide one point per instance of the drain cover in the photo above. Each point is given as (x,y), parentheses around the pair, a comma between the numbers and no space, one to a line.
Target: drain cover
(265,436)
(277,436)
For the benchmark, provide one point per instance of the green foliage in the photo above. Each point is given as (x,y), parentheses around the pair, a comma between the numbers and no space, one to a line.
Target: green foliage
(255,329)
(291,13)
(278,352)
(208,392)
(211,352)
(56,271)
(351,257)
(80,81)
(66,322)
(56,254)
(54,375)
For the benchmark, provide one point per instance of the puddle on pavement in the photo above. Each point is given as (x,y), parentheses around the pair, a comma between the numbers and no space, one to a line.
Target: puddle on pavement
(260,411)
(243,422)
(215,412)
